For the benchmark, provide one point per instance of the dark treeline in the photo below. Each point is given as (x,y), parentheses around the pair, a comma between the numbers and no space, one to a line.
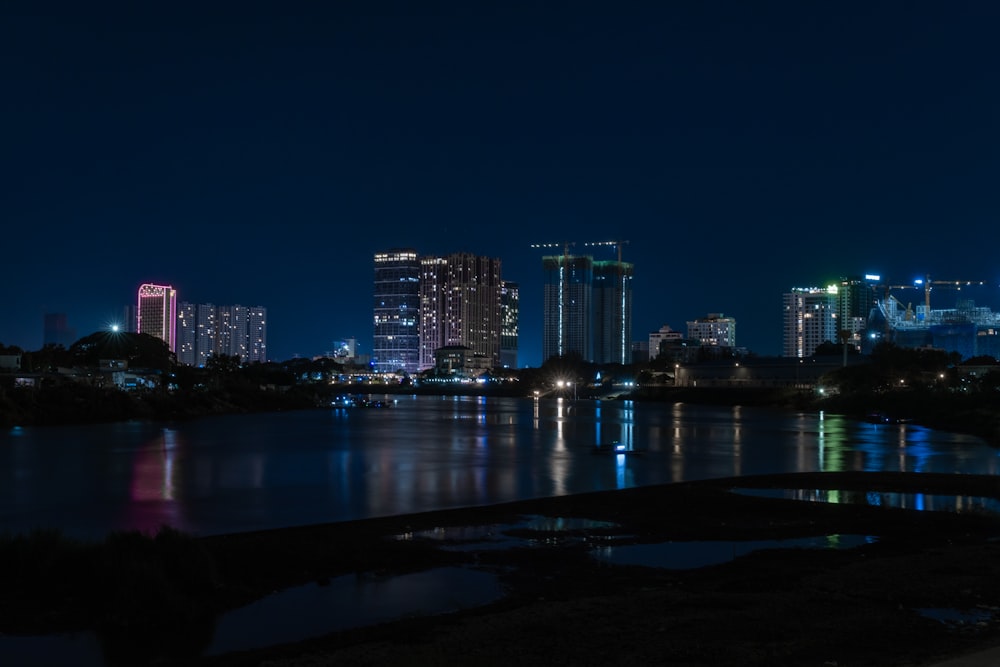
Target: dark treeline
(930,387)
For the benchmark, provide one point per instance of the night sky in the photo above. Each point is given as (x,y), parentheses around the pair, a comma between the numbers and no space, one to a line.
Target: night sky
(261,153)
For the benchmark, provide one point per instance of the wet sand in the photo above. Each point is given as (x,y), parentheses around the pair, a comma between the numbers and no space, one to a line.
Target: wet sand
(859,606)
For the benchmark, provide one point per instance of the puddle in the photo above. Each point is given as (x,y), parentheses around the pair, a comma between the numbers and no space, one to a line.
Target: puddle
(351,602)
(532,531)
(695,554)
(957,619)
(918,501)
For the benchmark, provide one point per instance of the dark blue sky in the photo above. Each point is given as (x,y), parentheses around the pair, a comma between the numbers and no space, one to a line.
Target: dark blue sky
(261,153)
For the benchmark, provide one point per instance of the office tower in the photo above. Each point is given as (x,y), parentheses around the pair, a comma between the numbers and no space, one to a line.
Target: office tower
(612,312)
(810,319)
(396,345)
(56,331)
(204,347)
(187,333)
(256,334)
(459,305)
(567,326)
(509,313)
(156,313)
(714,330)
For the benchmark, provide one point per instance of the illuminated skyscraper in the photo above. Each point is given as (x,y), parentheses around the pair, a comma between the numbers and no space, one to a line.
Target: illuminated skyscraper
(856,299)
(205,329)
(208,326)
(612,312)
(509,315)
(231,334)
(156,313)
(187,333)
(397,312)
(567,306)
(810,319)
(256,334)
(459,305)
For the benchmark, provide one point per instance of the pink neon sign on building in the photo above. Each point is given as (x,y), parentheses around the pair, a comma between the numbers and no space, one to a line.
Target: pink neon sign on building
(156,313)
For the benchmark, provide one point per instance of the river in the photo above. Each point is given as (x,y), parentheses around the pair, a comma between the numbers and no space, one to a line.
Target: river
(247,472)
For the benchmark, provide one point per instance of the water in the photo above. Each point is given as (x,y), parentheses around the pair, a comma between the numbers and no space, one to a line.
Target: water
(351,602)
(930,502)
(688,555)
(247,472)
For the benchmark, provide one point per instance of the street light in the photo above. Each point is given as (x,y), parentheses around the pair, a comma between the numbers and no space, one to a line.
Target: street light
(567,384)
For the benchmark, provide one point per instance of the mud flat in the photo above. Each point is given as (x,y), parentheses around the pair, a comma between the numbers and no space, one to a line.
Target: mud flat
(909,587)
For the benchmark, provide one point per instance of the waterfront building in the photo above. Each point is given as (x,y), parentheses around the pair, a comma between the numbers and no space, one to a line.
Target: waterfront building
(156,313)
(857,297)
(509,314)
(810,319)
(714,330)
(660,340)
(396,345)
(460,297)
(568,324)
(612,312)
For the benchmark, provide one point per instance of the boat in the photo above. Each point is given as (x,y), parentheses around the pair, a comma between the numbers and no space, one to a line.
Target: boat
(615,448)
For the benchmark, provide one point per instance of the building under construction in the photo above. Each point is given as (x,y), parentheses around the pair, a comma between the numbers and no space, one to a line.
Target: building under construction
(967,329)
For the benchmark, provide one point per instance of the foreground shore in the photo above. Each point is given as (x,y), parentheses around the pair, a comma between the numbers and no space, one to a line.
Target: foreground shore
(861,606)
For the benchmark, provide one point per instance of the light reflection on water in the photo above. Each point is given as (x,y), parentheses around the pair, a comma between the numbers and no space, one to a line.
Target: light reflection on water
(916,501)
(693,554)
(249,472)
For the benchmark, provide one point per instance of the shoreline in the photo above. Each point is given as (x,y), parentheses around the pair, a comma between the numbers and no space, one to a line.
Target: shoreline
(784,606)
(775,607)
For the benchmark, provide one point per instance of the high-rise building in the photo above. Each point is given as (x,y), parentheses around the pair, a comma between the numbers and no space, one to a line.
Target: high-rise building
(231,336)
(256,334)
(587,308)
(208,326)
(396,345)
(810,319)
(130,319)
(460,306)
(56,331)
(509,315)
(612,312)
(568,325)
(714,330)
(856,297)
(156,313)
(205,329)
(187,333)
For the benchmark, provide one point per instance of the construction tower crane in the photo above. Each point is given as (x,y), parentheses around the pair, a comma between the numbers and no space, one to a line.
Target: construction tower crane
(927,283)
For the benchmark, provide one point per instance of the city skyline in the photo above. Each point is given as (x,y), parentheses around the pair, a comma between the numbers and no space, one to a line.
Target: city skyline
(264,155)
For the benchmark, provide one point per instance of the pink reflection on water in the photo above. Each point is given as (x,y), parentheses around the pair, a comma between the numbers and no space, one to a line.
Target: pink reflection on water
(152,489)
